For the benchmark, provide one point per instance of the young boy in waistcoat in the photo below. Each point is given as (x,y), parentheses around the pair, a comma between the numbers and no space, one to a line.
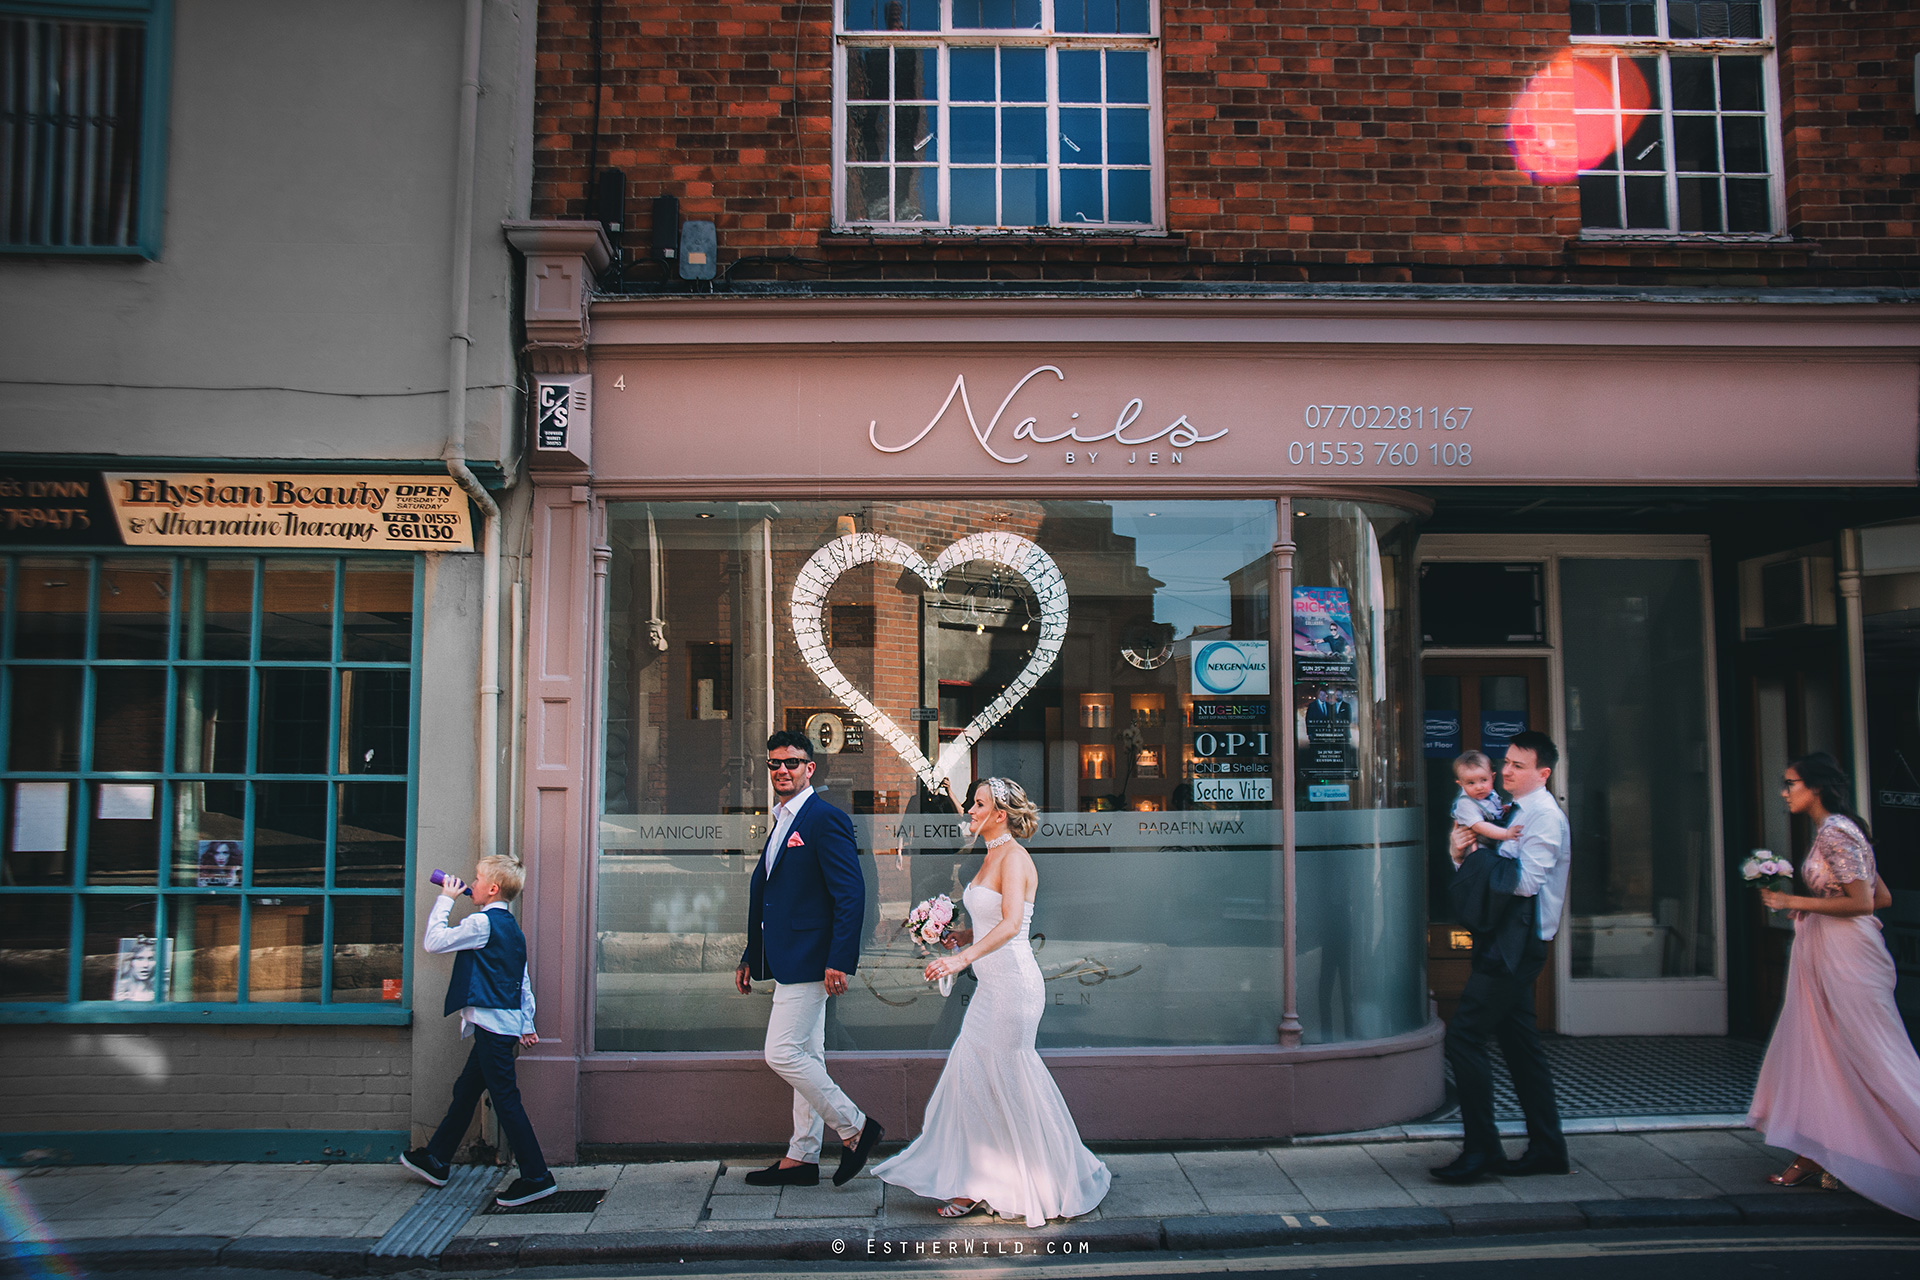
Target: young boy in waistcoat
(493,992)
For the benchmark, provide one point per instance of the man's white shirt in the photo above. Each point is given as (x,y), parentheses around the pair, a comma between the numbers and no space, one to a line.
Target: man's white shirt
(471,934)
(783,816)
(1542,850)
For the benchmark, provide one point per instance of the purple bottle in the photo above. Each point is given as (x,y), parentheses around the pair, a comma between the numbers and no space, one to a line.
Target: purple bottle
(440,877)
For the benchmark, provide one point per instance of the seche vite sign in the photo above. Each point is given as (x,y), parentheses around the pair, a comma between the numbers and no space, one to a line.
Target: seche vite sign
(48,506)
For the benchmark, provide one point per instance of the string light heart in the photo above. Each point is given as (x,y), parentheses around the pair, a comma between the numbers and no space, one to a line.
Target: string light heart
(849,551)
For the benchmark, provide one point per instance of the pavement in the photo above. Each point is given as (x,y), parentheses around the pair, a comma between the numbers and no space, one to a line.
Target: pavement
(1628,1173)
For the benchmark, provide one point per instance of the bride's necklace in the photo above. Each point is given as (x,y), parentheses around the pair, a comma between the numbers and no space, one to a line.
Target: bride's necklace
(999,840)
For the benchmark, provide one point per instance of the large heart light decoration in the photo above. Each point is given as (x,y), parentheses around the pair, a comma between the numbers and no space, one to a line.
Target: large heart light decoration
(1025,558)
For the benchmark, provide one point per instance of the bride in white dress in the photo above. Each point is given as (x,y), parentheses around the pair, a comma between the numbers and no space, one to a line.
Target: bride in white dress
(998,1134)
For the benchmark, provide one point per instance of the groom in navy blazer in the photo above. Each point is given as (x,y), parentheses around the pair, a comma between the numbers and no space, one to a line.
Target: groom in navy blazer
(804,915)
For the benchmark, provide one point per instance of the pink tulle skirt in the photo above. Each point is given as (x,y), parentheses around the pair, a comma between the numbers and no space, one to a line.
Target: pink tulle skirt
(1841,1082)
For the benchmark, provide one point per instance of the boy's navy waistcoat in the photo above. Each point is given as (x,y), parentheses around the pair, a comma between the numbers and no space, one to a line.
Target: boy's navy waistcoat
(489,977)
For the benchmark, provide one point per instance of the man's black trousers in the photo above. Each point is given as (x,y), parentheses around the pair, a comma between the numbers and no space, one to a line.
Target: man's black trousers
(1498,1006)
(490,1068)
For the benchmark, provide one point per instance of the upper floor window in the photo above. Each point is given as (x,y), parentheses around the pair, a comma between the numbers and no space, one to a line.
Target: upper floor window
(997,114)
(82,126)
(1677,120)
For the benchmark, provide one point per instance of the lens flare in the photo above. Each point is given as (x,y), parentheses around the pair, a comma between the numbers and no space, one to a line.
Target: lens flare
(1550,143)
(41,1257)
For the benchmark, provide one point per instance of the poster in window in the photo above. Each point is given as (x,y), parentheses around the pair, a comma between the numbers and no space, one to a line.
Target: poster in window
(137,974)
(219,864)
(1326,735)
(1322,634)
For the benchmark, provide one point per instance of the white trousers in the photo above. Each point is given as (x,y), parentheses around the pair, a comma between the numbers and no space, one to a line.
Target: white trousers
(797,1052)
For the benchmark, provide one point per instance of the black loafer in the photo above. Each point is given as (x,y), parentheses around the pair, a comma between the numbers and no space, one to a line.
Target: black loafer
(1470,1167)
(798,1175)
(1534,1162)
(854,1158)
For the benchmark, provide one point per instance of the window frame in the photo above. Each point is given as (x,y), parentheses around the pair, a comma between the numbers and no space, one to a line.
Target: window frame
(156,93)
(1765,48)
(166,779)
(947,38)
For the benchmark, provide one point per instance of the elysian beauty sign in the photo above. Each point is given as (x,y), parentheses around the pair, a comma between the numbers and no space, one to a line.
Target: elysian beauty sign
(1111,419)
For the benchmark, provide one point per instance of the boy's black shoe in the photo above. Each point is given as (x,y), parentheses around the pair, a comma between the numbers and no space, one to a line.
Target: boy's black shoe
(426,1166)
(525,1191)
(798,1175)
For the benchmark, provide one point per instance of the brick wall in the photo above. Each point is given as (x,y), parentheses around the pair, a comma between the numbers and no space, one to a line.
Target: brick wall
(1343,139)
(188,1077)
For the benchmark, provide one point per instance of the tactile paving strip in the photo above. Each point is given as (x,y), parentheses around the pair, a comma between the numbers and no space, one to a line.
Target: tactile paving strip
(1599,1076)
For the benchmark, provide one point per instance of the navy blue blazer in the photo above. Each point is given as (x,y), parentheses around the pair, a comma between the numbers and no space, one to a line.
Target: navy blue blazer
(806,918)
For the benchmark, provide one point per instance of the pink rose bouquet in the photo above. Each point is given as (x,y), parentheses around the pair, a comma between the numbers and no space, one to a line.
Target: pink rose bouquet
(930,923)
(1763,870)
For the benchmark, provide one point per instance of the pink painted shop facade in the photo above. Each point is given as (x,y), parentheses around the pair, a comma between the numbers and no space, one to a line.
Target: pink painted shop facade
(1240,937)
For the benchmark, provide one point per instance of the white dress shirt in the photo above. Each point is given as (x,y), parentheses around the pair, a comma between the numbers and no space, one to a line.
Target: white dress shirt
(783,816)
(1542,850)
(470,935)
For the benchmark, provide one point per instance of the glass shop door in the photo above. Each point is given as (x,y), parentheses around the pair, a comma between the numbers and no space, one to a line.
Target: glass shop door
(1472,704)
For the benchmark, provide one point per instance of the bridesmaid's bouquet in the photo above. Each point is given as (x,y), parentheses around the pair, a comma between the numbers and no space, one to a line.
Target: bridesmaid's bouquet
(930,923)
(1764,871)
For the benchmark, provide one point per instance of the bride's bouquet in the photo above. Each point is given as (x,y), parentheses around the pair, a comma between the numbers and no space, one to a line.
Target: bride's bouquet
(930,924)
(1763,870)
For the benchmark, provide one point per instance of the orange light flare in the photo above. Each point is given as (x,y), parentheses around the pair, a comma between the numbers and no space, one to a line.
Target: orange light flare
(1550,143)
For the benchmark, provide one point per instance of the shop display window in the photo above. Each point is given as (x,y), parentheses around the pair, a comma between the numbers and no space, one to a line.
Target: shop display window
(207,786)
(1057,647)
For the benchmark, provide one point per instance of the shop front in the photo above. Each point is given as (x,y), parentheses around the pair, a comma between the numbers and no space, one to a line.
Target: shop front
(1161,563)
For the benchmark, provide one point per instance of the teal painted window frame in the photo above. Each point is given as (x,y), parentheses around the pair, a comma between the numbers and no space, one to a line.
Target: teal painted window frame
(76,889)
(156,93)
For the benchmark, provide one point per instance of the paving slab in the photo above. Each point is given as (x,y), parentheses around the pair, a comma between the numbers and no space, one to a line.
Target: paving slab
(1623,1156)
(1688,1188)
(1741,1177)
(1324,1162)
(1688,1146)
(739,1208)
(860,1198)
(657,1197)
(1355,1191)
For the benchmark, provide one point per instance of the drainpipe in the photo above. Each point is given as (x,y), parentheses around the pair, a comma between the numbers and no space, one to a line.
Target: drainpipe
(458,342)
(1856,667)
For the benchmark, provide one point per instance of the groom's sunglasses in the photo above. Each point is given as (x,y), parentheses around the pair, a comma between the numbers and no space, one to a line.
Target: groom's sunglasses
(795,765)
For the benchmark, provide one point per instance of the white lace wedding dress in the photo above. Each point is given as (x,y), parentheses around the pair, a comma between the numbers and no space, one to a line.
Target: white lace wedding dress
(997,1128)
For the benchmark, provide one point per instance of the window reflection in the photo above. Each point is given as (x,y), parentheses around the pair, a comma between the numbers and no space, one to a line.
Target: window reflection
(33,947)
(367,939)
(283,952)
(136,604)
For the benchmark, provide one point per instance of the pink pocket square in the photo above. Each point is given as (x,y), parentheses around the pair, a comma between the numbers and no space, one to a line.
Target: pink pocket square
(794,841)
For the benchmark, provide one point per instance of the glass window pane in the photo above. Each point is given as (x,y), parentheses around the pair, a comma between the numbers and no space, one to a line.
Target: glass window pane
(917,198)
(124,833)
(869,196)
(867,133)
(1740,85)
(210,734)
(916,75)
(1023,75)
(289,833)
(1646,149)
(368,936)
(44,733)
(1647,204)
(203,949)
(34,932)
(129,718)
(296,611)
(1080,138)
(892,15)
(1133,18)
(1599,201)
(1127,137)
(1641,891)
(1700,204)
(1023,197)
(867,75)
(1080,196)
(972,73)
(294,723)
(371,852)
(378,623)
(972,141)
(916,134)
(120,960)
(1129,195)
(1079,75)
(38,839)
(1692,84)
(210,828)
(375,711)
(50,603)
(1746,146)
(216,609)
(1023,135)
(1749,206)
(972,194)
(284,939)
(1126,76)
(1695,148)
(136,600)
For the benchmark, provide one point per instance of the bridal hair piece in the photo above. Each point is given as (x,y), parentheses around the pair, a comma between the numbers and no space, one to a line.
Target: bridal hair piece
(1023,816)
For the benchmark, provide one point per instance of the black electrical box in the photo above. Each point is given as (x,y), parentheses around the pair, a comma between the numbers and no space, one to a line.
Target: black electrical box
(1482,606)
(666,228)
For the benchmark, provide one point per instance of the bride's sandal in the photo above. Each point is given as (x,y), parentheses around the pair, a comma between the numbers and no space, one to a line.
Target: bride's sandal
(961,1208)
(1801,1173)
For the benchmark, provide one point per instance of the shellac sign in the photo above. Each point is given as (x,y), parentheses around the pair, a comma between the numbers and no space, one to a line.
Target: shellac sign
(46,506)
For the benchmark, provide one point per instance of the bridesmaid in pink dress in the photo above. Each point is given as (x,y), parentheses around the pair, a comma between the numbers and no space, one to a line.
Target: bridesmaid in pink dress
(1841,1083)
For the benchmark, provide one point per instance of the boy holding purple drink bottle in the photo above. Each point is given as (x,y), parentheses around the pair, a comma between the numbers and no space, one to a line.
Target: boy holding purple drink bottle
(492,990)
